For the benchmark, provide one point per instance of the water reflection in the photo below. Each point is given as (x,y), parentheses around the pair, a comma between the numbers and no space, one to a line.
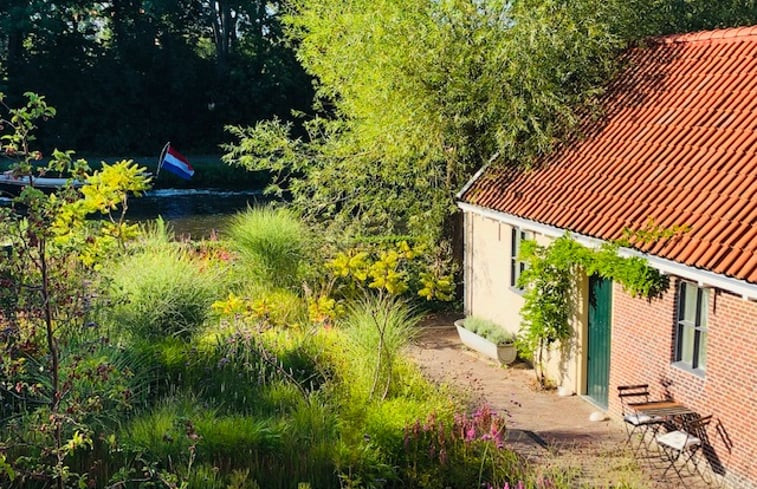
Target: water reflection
(195,212)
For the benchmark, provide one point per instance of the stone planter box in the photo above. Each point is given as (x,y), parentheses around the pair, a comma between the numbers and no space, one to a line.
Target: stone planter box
(504,354)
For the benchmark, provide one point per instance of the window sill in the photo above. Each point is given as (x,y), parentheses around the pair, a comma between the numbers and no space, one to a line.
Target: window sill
(516,290)
(687,368)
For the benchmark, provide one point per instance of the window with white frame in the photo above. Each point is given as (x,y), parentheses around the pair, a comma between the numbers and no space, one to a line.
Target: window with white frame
(691,332)
(517,266)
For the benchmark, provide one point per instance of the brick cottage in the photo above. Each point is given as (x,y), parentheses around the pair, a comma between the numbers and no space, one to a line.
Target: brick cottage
(677,143)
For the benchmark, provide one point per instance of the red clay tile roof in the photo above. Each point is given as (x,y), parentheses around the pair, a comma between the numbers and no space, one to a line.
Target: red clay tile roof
(677,143)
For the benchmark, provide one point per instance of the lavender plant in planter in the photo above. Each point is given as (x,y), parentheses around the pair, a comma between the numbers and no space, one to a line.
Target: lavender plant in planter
(487,338)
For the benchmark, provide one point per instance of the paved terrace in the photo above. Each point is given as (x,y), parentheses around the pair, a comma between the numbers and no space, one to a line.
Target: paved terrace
(545,428)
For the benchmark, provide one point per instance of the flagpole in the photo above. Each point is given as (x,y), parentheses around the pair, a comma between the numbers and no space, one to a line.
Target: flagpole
(161,157)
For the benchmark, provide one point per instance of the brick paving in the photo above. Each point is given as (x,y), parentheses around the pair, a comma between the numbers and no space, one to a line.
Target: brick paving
(543,427)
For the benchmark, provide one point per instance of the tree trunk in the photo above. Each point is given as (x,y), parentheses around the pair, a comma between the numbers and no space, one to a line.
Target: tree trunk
(53,347)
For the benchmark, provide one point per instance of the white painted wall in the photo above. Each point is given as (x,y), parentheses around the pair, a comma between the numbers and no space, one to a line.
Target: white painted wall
(488,294)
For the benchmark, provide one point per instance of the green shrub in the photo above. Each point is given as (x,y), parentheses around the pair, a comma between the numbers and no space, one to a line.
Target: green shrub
(234,440)
(376,330)
(167,432)
(488,330)
(161,292)
(156,234)
(242,371)
(385,422)
(206,477)
(273,244)
(263,307)
(158,432)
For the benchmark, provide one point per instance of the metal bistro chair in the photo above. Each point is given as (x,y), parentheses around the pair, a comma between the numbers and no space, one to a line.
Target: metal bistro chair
(635,422)
(687,440)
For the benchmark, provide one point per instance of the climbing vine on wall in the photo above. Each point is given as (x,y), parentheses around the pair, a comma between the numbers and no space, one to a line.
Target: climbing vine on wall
(551,288)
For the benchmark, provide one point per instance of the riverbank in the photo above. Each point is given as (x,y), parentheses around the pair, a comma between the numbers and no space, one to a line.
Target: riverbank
(210,172)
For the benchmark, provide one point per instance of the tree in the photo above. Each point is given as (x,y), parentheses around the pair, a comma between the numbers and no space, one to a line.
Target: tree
(123,69)
(414,95)
(50,250)
(417,94)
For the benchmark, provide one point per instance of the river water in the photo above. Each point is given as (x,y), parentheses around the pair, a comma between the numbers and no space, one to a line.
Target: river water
(194,212)
(191,212)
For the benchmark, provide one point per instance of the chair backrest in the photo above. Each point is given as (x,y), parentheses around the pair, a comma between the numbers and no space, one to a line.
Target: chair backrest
(698,426)
(632,394)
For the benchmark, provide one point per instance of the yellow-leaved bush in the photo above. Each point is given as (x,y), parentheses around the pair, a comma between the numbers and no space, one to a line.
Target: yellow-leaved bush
(394,268)
(105,192)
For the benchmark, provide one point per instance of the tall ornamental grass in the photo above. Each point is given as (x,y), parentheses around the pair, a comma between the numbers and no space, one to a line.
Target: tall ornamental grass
(161,292)
(273,244)
(377,329)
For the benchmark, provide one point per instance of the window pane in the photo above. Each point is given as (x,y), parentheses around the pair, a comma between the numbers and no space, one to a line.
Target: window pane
(686,353)
(702,357)
(690,303)
(514,243)
(703,308)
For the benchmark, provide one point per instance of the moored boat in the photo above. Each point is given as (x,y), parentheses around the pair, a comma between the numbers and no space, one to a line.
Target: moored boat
(13,185)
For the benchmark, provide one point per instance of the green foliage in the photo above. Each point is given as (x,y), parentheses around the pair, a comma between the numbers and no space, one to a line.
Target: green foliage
(62,377)
(414,95)
(267,307)
(159,293)
(376,330)
(455,450)
(551,284)
(489,330)
(228,439)
(274,245)
(633,273)
(651,232)
(105,66)
(393,267)
(105,192)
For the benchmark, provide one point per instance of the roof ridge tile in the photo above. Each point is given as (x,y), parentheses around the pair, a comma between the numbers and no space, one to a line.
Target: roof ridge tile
(717,35)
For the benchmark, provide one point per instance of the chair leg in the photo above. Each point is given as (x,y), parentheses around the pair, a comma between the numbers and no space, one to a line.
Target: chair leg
(655,429)
(642,440)
(678,466)
(672,459)
(645,440)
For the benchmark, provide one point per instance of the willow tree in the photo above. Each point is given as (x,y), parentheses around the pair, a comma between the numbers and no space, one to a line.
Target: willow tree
(415,95)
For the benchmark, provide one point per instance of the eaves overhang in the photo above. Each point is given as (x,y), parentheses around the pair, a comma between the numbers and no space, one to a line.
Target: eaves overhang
(704,278)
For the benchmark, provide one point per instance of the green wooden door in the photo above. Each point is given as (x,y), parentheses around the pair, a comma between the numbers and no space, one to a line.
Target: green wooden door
(598,347)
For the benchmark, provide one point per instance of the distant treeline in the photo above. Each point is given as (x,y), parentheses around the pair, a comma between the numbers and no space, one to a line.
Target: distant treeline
(128,75)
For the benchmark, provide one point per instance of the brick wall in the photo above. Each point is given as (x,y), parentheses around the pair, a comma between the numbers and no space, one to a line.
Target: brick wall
(643,351)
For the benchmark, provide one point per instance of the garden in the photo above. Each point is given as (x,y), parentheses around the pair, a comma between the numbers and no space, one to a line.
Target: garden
(269,357)
(274,354)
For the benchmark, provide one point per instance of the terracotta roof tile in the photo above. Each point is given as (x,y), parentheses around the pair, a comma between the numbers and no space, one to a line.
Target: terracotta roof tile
(677,143)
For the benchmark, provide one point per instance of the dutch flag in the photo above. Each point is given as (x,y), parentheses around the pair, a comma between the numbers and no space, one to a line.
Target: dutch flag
(177,163)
